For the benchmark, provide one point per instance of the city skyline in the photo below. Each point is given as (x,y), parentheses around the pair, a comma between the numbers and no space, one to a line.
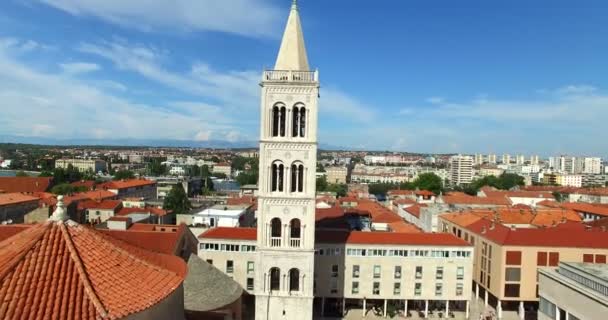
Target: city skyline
(402,76)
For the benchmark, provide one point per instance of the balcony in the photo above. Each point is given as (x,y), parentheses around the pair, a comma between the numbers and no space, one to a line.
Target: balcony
(290,76)
(275,241)
(294,242)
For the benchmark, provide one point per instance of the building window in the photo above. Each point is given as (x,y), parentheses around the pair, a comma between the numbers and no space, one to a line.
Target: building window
(417,288)
(545,306)
(459,273)
(396,288)
(250,265)
(334,271)
(297,178)
(459,289)
(513,258)
(588,258)
(294,280)
(294,227)
(512,290)
(275,279)
(333,285)
(278,120)
(278,172)
(229,266)
(355,288)
(356,271)
(418,272)
(298,124)
(553,259)
(512,274)
(438,289)
(376,289)
(249,283)
(210,261)
(439,273)
(275,226)
(600,258)
(397,272)
(541,259)
(376,271)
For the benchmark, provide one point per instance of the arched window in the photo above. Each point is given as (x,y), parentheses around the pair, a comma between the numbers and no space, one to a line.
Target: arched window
(277,173)
(295,121)
(297,178)
(275,279)
(302,117)
(294,280)
(275,228)
(278,120)
(294,228)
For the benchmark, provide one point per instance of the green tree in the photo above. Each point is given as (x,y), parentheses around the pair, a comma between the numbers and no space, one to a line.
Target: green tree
(124,175)
(320,168)
(157,168)
(177,200)
(321,183)
(339,188)
(247,178)
(21,173)
(66,188)
(429,181)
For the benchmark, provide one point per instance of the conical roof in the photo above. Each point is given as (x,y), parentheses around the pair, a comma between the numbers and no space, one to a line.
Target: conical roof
(292,54)
(67,271)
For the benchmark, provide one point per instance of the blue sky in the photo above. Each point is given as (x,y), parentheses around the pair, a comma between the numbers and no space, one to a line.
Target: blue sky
(420,76)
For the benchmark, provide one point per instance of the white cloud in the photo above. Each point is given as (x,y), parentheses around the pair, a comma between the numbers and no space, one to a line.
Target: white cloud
(234,88)
(79,67)
(339,105)
(37,103)
(243,17)
(202,136)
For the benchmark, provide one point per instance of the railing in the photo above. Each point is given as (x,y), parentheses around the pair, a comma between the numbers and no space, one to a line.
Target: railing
(290,76)
(275,242)
(294,243)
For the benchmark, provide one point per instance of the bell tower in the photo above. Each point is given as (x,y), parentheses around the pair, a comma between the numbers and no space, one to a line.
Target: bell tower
(286,198)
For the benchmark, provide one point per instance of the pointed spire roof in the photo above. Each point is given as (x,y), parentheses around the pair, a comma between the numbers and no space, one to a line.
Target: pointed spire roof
(292,54)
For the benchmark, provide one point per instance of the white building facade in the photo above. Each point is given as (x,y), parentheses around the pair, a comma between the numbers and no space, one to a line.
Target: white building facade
(461,169)
(286,203)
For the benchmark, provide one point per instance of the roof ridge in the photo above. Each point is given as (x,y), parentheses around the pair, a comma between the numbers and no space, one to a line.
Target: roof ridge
(88,288)
(21,255)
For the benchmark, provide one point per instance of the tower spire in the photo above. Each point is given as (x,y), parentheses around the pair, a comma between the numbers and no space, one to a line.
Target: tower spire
(292,54)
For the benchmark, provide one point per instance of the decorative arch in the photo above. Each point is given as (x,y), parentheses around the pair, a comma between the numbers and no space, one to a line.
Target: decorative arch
(275,279)
(275,228)
(277,176)
(298,120)
(279,113)
(294,279)
(295,228)
(297,177)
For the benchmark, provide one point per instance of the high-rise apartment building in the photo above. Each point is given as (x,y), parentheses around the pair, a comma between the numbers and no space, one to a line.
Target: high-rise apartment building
(592,165)
(506,158)
(534,160)
(479,159)
(492,158)
(520,159)
(461,169)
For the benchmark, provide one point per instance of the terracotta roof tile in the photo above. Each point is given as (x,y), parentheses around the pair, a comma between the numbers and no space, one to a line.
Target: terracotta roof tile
(73,272)
(124,184)
(586,208)
(15,198)
(24,184)
(230,233)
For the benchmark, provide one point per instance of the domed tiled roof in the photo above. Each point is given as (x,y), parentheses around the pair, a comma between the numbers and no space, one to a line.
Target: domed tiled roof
(67,271)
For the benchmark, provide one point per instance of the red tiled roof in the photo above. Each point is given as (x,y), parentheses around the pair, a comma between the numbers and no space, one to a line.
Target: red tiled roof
(389,238)
(577,235)
(403,201)
(73,272)
(102,205)
(230,233)
(586,208)
(453,198)
(548,204)
(9,230)
(166,242)
(241,200)
(415,209)
(513,215)
(7,199)
(124,184)
(426,193)
(147,210)
(400,192)
(24,184)
(97,195)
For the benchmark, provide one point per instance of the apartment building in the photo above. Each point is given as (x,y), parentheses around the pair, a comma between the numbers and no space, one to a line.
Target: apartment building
(14,206)
(507,258)
(506,158)
(461,169)
(573,291)
(83,165)
(336,174)
(492,158)
(223,168)
(131,188)
(358,269)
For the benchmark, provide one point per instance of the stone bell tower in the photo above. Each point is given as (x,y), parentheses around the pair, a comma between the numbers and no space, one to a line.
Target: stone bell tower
(286,200)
